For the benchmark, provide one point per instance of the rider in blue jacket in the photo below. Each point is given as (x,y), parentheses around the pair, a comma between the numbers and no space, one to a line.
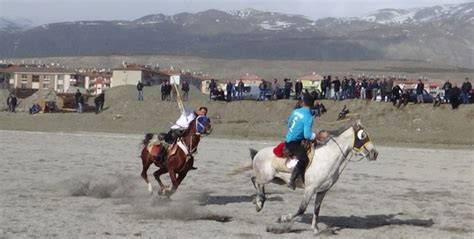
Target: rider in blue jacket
(300,124)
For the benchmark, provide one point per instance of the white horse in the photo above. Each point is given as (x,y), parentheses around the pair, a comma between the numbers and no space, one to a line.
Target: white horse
(328,163)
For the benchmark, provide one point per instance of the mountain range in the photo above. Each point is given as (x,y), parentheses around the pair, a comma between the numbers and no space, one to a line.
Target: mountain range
(440,34)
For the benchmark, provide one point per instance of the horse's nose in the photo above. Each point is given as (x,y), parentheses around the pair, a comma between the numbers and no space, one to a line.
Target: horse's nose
(376,154)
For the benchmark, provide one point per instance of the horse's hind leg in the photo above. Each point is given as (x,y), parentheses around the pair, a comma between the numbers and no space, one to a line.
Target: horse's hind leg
(260,198)
(303,205)
(181,176)
(317,206)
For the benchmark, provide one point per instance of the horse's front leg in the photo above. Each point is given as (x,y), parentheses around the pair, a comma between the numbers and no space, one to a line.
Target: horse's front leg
(174,180)
(146,164)
(317,206)
(303,205)
(157,175)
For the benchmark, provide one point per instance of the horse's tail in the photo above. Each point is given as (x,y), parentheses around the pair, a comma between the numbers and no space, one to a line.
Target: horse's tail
(147,139)
(253,152)
(246,167)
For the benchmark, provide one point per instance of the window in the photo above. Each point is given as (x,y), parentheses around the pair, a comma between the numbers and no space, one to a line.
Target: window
(45,86)
(36,78)
(60,77)
(24,76)
(45,77)
(23,85)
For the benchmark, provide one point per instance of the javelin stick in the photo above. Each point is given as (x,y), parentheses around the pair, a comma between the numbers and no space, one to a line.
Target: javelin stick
(178,99)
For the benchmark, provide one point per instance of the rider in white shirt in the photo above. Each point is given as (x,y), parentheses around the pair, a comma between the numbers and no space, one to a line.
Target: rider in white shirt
(182,123)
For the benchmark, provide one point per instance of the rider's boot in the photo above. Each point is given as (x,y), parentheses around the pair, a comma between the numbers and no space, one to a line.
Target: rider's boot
(294,175)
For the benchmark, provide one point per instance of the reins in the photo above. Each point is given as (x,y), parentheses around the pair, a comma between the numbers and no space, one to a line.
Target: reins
(344,154)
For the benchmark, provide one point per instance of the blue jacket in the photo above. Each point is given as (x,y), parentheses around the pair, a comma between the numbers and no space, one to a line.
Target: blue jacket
(300,125)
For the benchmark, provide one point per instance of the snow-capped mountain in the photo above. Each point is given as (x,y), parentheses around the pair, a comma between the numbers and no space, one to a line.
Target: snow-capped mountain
(14,24)
(459,12)
(437,34)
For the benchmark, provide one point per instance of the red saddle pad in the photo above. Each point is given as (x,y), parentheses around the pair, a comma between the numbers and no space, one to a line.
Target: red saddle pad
(278,150)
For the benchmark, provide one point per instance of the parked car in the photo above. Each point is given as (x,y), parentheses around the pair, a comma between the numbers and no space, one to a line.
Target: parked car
(427,98)
(252,92)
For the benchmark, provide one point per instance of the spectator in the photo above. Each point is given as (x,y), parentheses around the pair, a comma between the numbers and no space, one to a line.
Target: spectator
(337,88)
(375,89)
(12,102)
(388,89)
(465,91)
(319,109)
(35,109)
(383,86)
(352,87)
(455,97)
(345,88)
(77,96)
(163,90)
(447,90)
(363,89)
(81,103)
(140,91)
(102,100)
(437,100)
(240,90)
(396,94)
(298,89)
(323,88)
(212,88)
(419,92)
(343,113)
(229,88)
(168,88)
(287,88)
(275,87)
(97,103)
(262,87)
(185,90)
(328,87)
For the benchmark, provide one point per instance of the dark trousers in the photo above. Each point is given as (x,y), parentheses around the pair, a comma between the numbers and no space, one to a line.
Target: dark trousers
(297,149)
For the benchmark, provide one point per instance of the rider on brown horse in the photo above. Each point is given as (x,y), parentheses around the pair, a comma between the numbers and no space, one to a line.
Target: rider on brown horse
(181,125)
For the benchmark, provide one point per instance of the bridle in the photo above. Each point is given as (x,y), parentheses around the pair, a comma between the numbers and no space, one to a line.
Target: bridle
(355,150)
(197,134)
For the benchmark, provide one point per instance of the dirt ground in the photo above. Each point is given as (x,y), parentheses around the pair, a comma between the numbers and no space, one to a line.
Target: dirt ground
(87,185)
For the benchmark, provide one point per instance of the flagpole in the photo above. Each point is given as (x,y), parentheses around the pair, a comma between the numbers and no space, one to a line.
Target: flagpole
(178,98)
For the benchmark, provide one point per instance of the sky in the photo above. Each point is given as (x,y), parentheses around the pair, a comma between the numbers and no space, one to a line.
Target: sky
(49,11)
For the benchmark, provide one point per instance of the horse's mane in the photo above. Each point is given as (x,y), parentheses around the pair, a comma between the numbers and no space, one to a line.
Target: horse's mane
(147,139)
(339,131)
(332,133)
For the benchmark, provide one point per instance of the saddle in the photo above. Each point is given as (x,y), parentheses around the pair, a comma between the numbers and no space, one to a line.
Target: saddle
(284,161)
(161,150)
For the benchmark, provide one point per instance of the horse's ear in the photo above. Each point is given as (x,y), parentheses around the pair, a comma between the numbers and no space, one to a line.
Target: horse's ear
(357,124)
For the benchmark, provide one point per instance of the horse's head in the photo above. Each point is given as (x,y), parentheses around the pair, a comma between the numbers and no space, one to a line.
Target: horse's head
(202,125)
(363,145)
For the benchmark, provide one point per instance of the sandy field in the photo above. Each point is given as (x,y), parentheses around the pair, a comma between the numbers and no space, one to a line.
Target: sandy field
(88,185)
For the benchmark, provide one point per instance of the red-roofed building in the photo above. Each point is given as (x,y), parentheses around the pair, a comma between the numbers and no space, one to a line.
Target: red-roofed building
(250,79)
(312,81)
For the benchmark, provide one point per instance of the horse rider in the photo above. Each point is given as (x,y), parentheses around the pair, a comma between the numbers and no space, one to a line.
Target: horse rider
(182,123)
(300,124)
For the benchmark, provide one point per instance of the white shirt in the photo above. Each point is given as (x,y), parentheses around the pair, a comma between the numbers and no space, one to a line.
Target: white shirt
(184,119)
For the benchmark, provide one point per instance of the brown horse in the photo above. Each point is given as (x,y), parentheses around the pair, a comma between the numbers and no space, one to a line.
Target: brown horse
(179,158)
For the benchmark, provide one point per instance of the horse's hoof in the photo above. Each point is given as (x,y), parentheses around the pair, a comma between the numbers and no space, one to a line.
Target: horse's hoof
(285,218)
(150,188)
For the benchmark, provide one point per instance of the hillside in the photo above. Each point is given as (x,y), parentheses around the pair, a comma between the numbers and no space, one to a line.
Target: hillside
(413,125)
